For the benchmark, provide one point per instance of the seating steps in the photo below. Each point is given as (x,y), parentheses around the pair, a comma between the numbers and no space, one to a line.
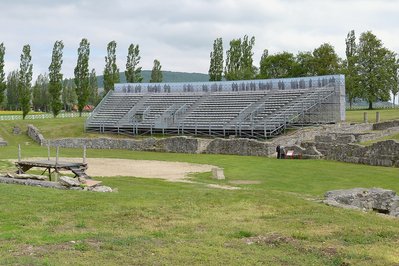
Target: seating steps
(248,110)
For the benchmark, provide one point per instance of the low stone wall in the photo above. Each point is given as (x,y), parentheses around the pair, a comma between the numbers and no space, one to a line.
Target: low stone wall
(240,147)
(384,153)
(172,144)
(345,138)
(385,125)
(175,144)
(35,134)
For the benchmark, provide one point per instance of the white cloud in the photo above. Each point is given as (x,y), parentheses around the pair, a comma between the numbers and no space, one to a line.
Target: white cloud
(180,33)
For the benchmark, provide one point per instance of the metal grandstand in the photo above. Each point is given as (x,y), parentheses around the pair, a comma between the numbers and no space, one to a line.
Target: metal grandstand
(245,108)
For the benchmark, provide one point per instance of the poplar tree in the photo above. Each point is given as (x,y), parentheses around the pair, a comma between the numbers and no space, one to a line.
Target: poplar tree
(239,61)
(82,75)
(12,90)
(3,84)
(111,71)
(263,68)
(216,61)
(156,73)
(93,98)
(233,60)
(133,73)
(25,78)
(55,76)
(247,70)
(352,91)
(40,93)
(69,97)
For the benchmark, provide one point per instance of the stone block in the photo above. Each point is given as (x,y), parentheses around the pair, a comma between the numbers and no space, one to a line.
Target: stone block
(100,189)
(68,181)
(218,173)
(35,134)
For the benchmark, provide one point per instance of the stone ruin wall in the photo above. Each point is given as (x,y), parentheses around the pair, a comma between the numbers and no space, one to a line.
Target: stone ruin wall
(173,144)
(336,142)
(343,145)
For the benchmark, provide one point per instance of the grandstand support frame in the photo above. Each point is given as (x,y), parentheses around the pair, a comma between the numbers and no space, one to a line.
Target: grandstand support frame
(251,109)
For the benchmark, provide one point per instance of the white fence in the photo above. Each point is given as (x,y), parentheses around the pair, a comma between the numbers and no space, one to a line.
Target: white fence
(41,116)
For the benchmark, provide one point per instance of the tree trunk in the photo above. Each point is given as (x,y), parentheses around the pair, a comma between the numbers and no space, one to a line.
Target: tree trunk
(370,105)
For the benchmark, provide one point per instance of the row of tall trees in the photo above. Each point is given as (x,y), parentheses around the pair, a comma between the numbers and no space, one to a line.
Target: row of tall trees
(52,93)
(239,62)
(371,69)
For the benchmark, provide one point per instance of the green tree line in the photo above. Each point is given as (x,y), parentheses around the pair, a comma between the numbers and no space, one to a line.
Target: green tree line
(371,70)
(52,93)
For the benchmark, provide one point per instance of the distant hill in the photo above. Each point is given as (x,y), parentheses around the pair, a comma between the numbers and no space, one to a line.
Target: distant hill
(168,76)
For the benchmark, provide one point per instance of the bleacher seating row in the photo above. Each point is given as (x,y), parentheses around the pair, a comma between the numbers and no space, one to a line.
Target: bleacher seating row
(213,113)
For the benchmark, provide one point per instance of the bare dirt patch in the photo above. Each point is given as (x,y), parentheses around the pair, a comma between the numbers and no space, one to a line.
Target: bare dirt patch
(273,239)
(245,182)
(222,187)
(172,171)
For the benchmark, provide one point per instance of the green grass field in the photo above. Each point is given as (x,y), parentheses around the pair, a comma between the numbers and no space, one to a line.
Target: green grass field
(385,114)
(151,221)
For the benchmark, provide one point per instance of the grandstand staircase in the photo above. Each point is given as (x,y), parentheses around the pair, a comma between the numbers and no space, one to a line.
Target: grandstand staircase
(111,109)
(170,115)
(278,121)
(138,108)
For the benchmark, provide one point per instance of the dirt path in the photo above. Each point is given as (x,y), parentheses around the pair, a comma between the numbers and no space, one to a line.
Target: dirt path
(172,171)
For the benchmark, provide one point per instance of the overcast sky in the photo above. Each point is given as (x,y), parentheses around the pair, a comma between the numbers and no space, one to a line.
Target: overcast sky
(180,33)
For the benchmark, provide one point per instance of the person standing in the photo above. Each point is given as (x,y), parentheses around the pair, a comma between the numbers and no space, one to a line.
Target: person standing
(278,150)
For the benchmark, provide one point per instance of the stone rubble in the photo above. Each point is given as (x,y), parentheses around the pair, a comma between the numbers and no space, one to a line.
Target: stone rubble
(64,182)
(26,176)
(68,181)
(16,130)
(374,199)
(83,184)
(3,142)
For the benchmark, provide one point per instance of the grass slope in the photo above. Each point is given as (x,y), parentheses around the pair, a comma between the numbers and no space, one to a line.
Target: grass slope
(158,222)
